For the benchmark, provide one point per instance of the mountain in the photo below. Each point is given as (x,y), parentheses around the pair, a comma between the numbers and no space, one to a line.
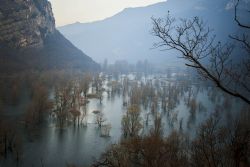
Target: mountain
(127,36)
(29,39)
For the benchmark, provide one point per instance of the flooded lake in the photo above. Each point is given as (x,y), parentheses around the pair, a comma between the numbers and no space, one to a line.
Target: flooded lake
(81,145)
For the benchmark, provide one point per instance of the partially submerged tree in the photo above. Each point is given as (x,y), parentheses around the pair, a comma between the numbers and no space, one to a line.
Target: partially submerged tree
(76,116)
(62,101)
(85,83)
(39,106)
(215,145)
(105,130)
(10,140)
(131,121)
(148,151)
(99,118)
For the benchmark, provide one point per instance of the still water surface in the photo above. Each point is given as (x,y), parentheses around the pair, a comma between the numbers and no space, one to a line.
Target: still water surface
(82,145)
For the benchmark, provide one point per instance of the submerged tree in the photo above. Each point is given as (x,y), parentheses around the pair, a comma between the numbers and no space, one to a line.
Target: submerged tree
(76,116)
(85,83)
(39,106)
(10,140)
(63,101)
(131,121)
(105,130)
(99,118)
(148,151)
(215,145)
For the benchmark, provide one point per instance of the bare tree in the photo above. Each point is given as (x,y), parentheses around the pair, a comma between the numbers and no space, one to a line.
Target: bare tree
(131,121)
(208,148)
(220,145)
(63,101)
(236,15)
(148,151)
(105,130)
(243,75)
(99,118)
(193,39)
(85,83)
(10,140)
(38,107)
(76,116)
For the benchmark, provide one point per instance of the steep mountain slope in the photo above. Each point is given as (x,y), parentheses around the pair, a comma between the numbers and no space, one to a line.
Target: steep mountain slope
(127,34)
(29,39)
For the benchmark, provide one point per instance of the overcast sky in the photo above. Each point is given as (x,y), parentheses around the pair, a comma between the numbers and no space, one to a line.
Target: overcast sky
(70,11)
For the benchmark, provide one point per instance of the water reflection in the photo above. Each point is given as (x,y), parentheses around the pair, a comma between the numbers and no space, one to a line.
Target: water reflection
(181,107)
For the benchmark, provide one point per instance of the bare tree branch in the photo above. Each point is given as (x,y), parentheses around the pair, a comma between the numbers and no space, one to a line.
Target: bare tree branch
(236,16)
(194,41)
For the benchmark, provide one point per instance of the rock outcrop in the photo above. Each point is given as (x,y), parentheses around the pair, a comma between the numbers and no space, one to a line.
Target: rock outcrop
(29,39)
(25,23)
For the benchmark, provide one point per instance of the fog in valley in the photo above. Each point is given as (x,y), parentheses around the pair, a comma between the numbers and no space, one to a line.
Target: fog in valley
(154,86)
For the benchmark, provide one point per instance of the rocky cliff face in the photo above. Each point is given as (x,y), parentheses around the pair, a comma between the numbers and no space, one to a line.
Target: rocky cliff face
(29,39)
(25,23)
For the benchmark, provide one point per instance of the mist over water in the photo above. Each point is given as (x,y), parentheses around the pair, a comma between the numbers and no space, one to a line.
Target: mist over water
(51,145)
(155,86)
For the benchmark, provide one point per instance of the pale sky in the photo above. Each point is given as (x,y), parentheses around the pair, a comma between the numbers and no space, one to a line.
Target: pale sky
(71,11)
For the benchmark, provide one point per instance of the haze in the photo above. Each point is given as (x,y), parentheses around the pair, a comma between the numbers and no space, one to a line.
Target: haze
(125,83)
(66,12)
